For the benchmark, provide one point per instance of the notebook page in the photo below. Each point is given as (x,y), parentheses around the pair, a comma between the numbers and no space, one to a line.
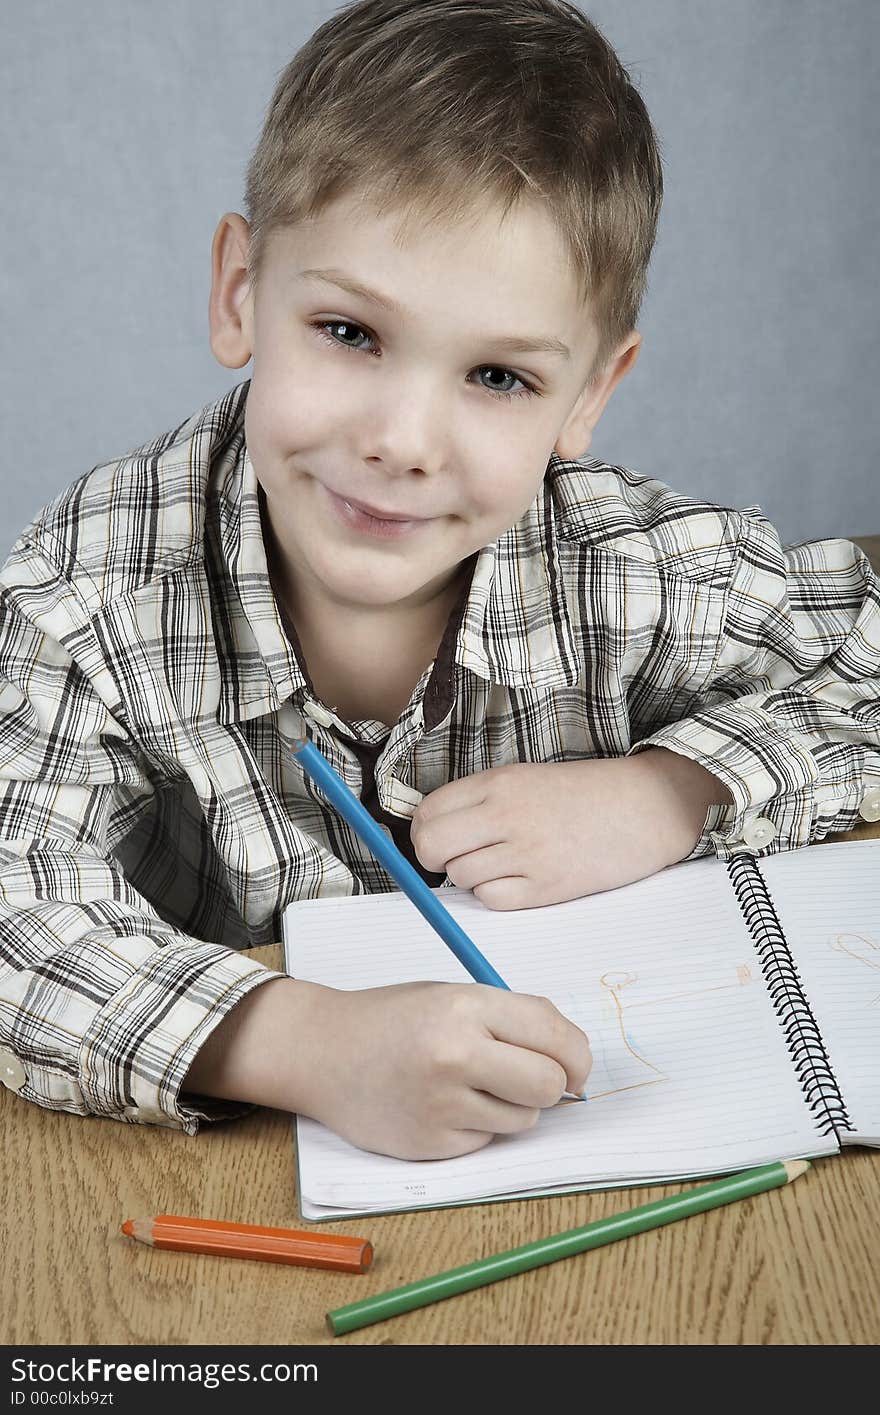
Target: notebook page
(828,901)
(691,1074)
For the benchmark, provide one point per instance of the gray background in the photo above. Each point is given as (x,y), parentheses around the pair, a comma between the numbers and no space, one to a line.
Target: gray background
(126,128)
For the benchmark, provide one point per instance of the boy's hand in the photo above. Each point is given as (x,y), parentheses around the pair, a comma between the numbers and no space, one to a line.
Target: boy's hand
(531,834)
(419,1070)
(431,1070)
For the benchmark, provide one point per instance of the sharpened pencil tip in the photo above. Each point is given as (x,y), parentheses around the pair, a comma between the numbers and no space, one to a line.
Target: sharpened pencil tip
(128,1228)
(795,1168)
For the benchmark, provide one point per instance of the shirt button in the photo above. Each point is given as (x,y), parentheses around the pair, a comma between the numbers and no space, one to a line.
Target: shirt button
(12,1073)
(759,832)
(869,810)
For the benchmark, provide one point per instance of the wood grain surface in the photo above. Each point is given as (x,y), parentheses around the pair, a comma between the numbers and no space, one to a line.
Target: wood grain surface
(796,1265)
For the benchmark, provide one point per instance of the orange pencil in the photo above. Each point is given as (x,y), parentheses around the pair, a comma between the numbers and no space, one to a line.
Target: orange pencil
(250,1240)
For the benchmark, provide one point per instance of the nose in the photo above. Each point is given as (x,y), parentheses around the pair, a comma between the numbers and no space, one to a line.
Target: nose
(406,424)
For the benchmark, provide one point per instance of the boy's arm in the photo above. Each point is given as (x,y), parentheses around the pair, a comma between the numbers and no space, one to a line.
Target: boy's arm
(105,1008)
(103,1005)
(789,718)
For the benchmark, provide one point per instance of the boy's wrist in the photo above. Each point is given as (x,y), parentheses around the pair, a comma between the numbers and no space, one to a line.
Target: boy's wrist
(687,792)
(259,1053)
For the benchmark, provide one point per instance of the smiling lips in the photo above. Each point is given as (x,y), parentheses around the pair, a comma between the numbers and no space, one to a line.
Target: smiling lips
(374,512)
(382,525)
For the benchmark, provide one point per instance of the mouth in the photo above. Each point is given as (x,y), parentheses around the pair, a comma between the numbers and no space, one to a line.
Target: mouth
(374,513)
(369,520)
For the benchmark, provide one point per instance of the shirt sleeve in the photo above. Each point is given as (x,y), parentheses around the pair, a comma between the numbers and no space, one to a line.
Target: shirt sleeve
(789,717)
(103,1005)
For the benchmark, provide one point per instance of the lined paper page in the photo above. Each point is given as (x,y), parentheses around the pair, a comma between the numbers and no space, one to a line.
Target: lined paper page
(691,1074)
(829,905)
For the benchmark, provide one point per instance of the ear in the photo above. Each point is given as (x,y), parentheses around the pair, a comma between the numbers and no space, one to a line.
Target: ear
(230,308)
(577,432)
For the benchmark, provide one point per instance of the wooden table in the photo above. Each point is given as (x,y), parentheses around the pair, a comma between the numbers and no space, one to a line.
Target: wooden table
(798,1265)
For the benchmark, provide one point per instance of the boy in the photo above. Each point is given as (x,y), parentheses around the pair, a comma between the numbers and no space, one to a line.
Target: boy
(544,675)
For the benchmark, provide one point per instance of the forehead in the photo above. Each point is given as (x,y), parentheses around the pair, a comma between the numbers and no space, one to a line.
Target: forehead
(514,262)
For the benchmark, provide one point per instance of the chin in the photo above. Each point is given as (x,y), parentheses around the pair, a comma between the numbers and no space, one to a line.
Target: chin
(370,591)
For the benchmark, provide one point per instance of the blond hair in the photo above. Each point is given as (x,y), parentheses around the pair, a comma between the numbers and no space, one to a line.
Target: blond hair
(438,109)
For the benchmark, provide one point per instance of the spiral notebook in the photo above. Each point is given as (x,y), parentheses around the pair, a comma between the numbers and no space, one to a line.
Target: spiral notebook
(733,1011)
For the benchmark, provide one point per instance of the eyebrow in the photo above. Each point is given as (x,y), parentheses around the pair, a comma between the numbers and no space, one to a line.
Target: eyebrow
(513,343)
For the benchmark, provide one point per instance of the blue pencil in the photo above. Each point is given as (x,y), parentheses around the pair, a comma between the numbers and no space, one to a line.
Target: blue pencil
(397,865)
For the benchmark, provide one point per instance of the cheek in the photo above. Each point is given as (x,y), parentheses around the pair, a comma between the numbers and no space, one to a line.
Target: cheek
(507,494)
(293,391)
(285,415)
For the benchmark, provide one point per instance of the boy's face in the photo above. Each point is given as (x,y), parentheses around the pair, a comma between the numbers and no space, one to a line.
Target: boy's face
(422,411)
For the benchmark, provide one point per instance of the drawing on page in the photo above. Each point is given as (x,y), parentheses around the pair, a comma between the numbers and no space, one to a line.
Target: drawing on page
(632,1073)
(620,1063)
(864,950)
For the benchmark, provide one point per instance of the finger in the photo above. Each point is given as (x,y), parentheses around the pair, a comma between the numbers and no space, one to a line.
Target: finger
(512,892)
(480,866)
(455,1143)
(482,1111)
(518,1076)
(466,1142)
(535,1024)
(452,835)
(460,794)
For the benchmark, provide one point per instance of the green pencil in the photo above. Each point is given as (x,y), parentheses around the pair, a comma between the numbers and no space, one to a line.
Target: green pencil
(562,1245)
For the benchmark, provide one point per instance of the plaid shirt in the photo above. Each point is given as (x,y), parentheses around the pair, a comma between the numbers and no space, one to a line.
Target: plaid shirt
(154,822)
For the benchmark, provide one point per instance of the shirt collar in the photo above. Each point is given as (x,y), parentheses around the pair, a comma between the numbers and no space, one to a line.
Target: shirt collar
(261,666)
(516,629)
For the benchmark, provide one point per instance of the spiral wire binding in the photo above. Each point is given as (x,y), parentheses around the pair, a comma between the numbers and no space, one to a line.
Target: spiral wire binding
(802,1035)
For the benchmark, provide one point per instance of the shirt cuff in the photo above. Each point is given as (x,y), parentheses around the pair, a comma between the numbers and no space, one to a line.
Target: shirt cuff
(771,774)
(139,1048)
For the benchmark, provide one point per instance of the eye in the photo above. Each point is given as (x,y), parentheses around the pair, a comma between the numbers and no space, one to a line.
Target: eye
(352,330)
(526,390)
(340,324)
